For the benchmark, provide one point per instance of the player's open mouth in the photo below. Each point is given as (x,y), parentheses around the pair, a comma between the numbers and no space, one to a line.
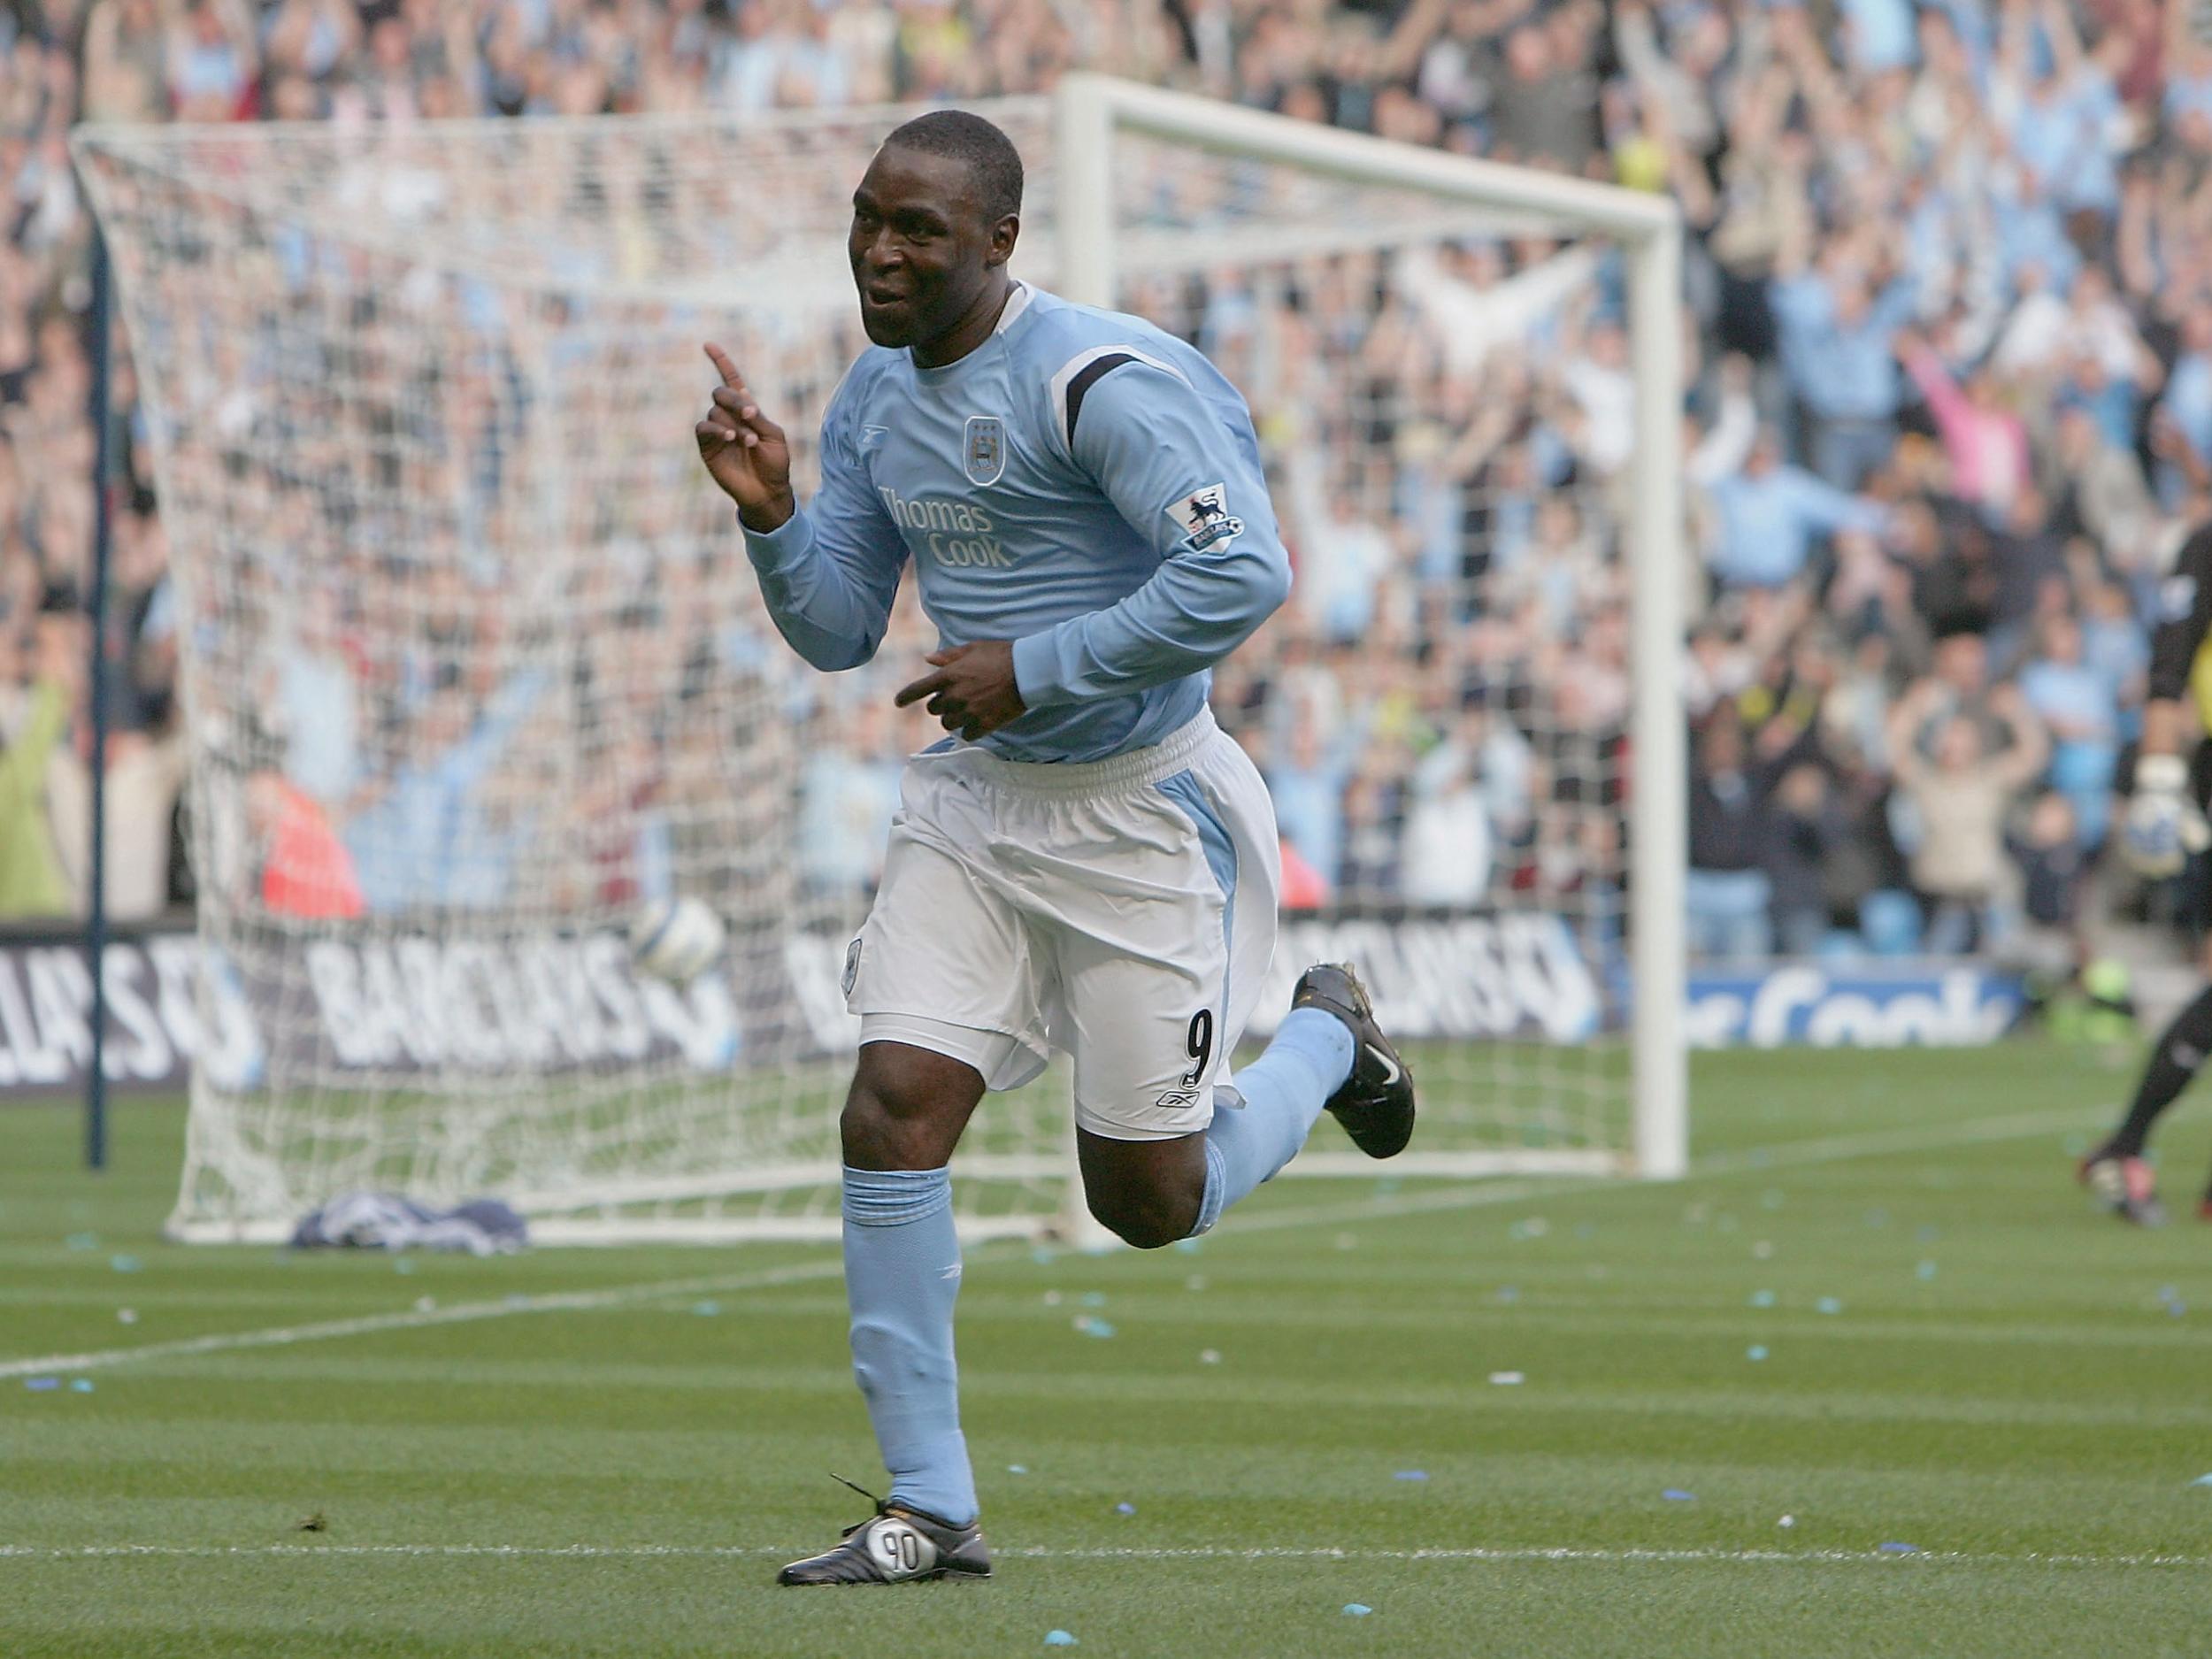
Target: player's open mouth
(885,296)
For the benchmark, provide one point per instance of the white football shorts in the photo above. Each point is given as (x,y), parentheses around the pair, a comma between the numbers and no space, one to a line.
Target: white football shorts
(1120,910)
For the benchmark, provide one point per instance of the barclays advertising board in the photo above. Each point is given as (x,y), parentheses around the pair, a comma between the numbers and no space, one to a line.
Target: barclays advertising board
(342,1011)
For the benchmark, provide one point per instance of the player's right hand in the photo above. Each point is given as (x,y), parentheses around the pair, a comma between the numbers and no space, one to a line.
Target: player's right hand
(2164,825)
(745,451)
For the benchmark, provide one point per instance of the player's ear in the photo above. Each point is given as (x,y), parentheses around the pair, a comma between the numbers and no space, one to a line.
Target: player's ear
(1004,234)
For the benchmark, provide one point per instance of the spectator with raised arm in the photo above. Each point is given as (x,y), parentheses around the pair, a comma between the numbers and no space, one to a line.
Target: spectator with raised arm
(1837,322)
(1985,440)
(1770,516)
(1729,893)
(1959,798)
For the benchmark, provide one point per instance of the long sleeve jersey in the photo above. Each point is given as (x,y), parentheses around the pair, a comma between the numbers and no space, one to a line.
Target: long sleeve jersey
(1083,484)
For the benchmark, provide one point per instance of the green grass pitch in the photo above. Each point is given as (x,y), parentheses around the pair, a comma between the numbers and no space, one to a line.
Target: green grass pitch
(609,1452)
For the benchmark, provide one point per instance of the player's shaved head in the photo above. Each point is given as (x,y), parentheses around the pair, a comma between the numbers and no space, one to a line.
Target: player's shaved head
(993,164)
(935,221)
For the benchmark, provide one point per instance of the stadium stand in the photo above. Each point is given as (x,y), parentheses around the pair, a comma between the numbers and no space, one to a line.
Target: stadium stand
(1951,415)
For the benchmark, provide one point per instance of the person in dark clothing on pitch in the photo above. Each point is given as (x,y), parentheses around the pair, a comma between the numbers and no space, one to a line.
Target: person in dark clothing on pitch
(2165,835)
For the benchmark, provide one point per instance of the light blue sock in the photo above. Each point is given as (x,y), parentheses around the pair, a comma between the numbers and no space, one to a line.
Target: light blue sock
(902,1277)
(1284,1091)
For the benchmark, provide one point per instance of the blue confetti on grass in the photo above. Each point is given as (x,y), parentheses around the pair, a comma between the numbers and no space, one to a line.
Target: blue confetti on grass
(1411,1474)
(2202,1480)
(1900,1550)
(706,1310)
(1018,1468)
(1125,1508)
(1828,1304)
(1755,1352)
(1093,1299)
(1675,1494)
(1090,1326)
(1356,1609)
(125,1264)
(1188,1246)
(1926,1270)
(1044,1258)
(80,1385)
(83,1240)
(1059,1639)
(403,1265)
(1762,1299)
(42,1385)
(1509,1294)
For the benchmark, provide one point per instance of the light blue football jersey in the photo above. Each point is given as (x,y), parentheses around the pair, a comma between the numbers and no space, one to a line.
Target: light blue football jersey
(1083,483)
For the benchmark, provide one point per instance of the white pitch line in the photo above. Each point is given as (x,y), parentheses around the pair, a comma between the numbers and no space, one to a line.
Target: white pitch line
(1829,1149)
(1476,1554)
(416,1318)
(1874,1143)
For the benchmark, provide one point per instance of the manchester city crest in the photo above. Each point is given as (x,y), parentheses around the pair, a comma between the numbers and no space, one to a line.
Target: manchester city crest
(985,456)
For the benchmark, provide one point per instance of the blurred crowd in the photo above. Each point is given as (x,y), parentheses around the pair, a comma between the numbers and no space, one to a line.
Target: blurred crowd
(1948,416)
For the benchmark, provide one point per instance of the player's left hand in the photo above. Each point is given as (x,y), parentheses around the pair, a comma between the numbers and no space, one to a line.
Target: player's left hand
(972,691)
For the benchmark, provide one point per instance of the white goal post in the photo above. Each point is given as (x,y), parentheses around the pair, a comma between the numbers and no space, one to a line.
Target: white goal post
(1093,111)
(473,665)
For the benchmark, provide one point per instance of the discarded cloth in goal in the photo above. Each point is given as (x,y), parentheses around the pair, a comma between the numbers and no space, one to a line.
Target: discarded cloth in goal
(387,1221)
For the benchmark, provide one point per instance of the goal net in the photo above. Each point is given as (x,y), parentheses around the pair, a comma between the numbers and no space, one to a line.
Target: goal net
(474,667)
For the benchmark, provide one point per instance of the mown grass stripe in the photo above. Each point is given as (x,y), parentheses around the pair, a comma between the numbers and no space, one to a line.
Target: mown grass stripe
(1045,1552)
(1823,1150)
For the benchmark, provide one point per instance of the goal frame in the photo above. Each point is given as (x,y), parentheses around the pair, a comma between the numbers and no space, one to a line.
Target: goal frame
(1085,250)
(1089,111)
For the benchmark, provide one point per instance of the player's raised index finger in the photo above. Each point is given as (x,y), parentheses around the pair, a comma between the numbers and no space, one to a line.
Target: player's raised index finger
(722,366)
(924,686)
